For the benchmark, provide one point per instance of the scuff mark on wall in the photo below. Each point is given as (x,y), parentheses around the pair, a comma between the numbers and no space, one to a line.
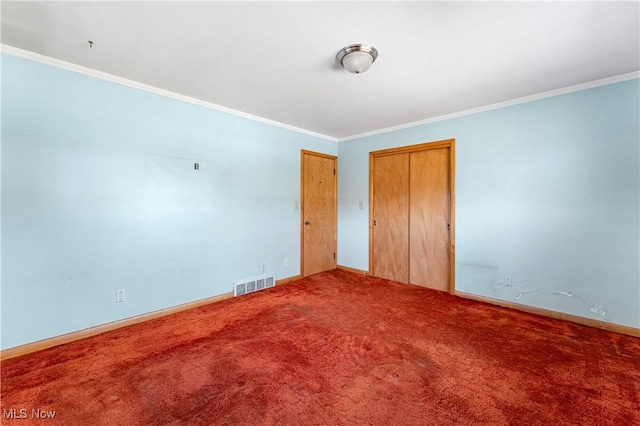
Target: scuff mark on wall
(74,277)
(599,310)
(522,287)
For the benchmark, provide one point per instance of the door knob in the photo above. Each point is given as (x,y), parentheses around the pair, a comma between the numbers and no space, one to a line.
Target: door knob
(306,222)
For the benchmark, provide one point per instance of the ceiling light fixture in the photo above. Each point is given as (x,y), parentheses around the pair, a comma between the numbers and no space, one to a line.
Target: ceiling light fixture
(357,58)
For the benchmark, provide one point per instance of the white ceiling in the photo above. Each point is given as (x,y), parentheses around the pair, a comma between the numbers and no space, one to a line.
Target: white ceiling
(276,60)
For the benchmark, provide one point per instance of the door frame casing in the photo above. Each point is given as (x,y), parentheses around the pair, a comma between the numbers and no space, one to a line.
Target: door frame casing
(446,143)
(304,152)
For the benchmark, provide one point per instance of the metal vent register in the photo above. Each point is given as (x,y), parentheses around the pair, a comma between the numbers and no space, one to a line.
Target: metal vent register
(253,285)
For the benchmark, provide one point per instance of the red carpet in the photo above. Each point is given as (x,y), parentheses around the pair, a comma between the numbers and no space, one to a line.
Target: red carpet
(335,349)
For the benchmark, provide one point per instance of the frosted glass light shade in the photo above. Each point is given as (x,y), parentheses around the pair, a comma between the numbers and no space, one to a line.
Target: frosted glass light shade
(357,58)
(357,62)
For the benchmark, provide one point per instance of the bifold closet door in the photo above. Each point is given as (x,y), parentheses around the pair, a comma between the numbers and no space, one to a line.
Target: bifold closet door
(391,217)
(411,193)
(429,218)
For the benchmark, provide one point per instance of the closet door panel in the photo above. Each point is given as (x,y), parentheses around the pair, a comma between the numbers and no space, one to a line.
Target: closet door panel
(391,217)
(429,219)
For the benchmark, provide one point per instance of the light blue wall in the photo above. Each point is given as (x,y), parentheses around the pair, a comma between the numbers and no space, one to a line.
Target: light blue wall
(99,193)
(547,192)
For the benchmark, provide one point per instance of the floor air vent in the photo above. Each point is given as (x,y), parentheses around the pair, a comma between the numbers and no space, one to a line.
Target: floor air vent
(253,284)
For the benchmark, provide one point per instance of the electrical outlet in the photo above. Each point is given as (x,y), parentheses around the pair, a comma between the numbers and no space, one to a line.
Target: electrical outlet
(120,296)
(262,267)
(286,263)
(507,281)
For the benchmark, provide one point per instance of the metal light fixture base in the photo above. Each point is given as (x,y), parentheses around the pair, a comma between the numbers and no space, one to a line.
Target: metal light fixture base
(364,48)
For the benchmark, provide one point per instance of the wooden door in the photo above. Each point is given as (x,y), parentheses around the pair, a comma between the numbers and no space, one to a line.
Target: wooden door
(319,214)
(411,232)
(390,217)
(429,219)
